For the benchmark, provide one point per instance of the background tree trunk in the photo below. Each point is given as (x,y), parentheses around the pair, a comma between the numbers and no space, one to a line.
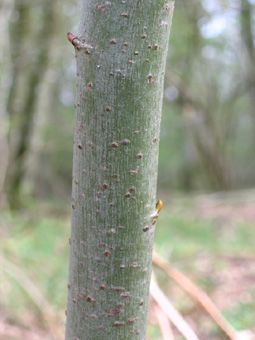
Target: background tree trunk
(5,84)
(121,52)
(28,69)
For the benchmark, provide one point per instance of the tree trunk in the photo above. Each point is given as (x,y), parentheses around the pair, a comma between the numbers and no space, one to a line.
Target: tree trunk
(121,52)
(6,70)
(247,34)
(29,64)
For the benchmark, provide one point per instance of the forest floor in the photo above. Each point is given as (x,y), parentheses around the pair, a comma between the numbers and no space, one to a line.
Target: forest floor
(209,238)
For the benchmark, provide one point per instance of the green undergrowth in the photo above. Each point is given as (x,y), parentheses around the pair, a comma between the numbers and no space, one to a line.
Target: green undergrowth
(34,247)
(180,236)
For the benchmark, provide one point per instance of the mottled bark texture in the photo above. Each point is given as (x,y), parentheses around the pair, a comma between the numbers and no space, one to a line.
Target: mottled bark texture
(121,51)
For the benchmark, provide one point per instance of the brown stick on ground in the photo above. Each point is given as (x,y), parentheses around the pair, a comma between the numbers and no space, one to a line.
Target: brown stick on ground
(197,294)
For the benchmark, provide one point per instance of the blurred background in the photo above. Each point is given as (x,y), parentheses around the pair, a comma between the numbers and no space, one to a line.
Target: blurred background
(206,166)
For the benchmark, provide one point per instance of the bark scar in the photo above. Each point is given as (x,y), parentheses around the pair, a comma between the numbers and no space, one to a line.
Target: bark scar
(77,43)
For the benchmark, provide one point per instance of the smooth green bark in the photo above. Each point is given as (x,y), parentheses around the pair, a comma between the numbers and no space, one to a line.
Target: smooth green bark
(120,72)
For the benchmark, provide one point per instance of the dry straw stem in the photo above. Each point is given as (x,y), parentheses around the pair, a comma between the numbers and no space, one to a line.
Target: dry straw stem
(173,315)
(163,323)
(197,295)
